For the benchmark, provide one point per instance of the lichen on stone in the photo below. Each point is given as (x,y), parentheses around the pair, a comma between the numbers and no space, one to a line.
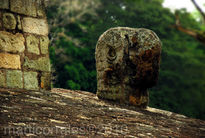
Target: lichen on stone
(44,42)
(41,64)
(2,79)
(9,21)
(32,43)
(11,42)
(127,63)
(14,79)
(30,81)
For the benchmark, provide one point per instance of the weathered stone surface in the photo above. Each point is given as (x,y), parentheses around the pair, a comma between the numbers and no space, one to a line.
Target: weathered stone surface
(32,44)
(2,79)
(26,7)
(44,42)
(11,43)
(40,8)
(41,64)
(11,61)
(127,62)
(46,81)
(24,44)
(67,113)
(9,21)
(19,26)
(14,79)
(31,81)
(4,4)
(34,25)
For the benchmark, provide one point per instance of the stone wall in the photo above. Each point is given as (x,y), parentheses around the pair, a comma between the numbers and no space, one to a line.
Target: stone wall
(24,57)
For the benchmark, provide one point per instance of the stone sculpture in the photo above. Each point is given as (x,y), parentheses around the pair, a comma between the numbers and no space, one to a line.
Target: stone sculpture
(127,63)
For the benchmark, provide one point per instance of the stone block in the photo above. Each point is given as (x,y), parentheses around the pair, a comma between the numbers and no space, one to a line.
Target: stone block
(9,21)
(19,26)
(2,79)
(26,7)
(40,8)
(44,42)
(4,4)
(41,64)
(30,81)
(14,79)
(11,61)
(35,26)
(46,81)
(11,43)
(32,43)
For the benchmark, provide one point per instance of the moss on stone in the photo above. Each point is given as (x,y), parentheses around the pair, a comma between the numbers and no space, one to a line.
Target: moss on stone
(14,79)
(4,4)
(19,26)
(41,64)
(44,42)
(9,21)
(32,44)
(130,58)
(2,79)
(11,43)
(26,7)
(40,8)
(30,81)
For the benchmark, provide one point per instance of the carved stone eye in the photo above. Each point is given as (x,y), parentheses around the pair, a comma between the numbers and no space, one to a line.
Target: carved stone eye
(127,63)
(111,55)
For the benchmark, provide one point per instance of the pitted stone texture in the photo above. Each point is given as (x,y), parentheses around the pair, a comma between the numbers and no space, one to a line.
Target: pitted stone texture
(14,79)
(31,81)
(26,7)
(40,8)
(2,79)
(9,21)
(4,4)
(32,43)
(35,26)
(46,81)
(44,42)
(127,63)
(19,26)
(11,61)
(11,43)
(41,64)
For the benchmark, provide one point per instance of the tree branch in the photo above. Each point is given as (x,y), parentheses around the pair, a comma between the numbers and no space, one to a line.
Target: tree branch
(200,36)
(199,9)
(182,29)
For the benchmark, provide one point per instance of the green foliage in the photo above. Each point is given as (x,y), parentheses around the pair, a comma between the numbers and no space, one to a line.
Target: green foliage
(71,64)
(181,83)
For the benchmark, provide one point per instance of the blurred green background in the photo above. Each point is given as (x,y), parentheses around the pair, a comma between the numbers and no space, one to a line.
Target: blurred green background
(75,26)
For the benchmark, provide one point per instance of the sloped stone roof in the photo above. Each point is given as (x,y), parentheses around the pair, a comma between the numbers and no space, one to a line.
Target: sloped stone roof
(81,114)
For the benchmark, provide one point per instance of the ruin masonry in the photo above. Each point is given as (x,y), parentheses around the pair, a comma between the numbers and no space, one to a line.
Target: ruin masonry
(24,57)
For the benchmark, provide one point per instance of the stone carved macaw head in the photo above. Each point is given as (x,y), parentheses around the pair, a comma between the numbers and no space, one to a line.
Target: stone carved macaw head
(127,63)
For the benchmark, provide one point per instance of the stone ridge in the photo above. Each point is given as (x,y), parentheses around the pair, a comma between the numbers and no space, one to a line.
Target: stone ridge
(61,113)
(24,57)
